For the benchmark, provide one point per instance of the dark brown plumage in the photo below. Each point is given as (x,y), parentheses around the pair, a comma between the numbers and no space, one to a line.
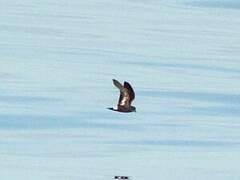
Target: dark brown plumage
(121,177)
(126,97)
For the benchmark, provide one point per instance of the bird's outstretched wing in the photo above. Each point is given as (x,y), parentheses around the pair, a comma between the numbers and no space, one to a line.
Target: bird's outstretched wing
(130,91)
(124,98)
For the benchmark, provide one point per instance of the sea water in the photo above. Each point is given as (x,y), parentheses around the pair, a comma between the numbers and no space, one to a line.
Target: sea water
(57,62)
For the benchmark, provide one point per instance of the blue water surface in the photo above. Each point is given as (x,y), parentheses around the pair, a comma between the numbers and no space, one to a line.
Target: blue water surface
(58,59)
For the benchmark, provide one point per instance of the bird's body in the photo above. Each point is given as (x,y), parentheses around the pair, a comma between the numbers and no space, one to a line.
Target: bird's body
(127,95)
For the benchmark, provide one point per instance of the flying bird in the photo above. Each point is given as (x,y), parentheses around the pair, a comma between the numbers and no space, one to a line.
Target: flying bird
(126,97)
(121,177)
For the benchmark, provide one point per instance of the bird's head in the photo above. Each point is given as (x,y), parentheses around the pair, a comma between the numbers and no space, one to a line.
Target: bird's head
(133,109)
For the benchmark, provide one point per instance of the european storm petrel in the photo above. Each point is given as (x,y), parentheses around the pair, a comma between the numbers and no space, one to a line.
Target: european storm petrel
(121,177)
(127,95)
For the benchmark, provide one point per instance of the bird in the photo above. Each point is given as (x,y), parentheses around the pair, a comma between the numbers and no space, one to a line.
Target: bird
(121,177)
(126,97)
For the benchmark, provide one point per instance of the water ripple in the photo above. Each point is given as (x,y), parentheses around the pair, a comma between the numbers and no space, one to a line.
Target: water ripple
(222,98)
(227,4)
(182,143)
